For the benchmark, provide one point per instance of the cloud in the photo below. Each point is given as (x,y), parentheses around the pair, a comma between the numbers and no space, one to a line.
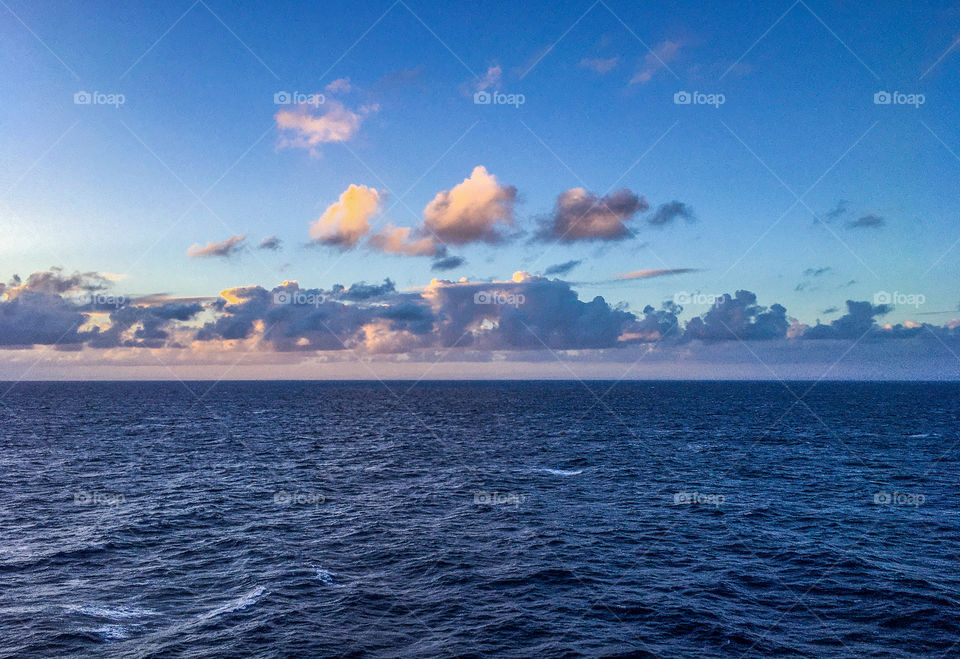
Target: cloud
(339,86)
(270,242)
(836,211)
(816,272)
(581,215)
(448,263)
(738,318)
(490,79)
(473,210)
(398,240)
(869,221)
(562,268)
(858,321)
(669,212)
(598,64)
(300,128)
(830,310)
(650,274)
(225,248)
(659,57)
(347,220)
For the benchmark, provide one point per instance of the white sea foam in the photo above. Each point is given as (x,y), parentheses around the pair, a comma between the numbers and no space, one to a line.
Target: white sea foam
(563,472)
(111,632)
(241,602)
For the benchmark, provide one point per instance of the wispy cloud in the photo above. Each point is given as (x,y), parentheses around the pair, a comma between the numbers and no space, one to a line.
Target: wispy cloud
(224,248)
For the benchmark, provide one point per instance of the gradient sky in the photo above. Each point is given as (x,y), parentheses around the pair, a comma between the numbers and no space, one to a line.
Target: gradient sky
(195,155)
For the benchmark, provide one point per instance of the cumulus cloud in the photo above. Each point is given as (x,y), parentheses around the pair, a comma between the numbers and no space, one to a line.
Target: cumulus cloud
(525,313)
(599,64)
(562,268)
(473,210)
(225,248)
(739,318)
(345,222)
(302,128)
(869,221)
(401,240)
(270,242)
(581,215)
(650,274)
(671,211)
(858,321)
(658,58)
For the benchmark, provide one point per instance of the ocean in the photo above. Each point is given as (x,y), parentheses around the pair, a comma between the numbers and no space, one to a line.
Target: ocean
(485,519)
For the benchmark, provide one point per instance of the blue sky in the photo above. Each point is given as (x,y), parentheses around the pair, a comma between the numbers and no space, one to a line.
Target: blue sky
(114,189)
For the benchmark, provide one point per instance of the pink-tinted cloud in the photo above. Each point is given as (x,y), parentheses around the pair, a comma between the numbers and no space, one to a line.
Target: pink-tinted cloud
(345,222)
(225,248)
(473,210)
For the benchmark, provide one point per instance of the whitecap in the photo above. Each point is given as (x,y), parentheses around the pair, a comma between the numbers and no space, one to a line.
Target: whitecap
(241,602)
(326,576)
(563,472)
(121,613)
(111,632)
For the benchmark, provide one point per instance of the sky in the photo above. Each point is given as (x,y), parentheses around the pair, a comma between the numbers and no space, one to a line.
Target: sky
(213,189)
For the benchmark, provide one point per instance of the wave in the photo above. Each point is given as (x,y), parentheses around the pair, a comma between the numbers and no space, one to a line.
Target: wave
(562,472)
(97,611)
(241,602)
(110,632)
(326,576)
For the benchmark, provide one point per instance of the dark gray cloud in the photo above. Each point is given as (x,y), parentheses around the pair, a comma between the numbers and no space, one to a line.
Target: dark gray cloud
(448,263)
(817,272)
(270,242)
(739,318)
(562,268)
(837,211)
(670,212)
(224,248)
(858,321)
(581,216)
(869,221)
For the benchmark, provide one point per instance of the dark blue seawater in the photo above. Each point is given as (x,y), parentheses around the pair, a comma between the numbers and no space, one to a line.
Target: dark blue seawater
(484,519)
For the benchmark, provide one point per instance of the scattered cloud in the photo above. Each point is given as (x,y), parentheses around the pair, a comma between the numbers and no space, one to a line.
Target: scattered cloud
(562,268)
(347,220)
(669,212)
(659,57)
(599,64)
(270,242)
(491,79)
(473,210)
(397,240)
(650,274)
(581,215)
(225,248)
(339,86)
(817,272)
(869,221)
(448,263)
(301,128)
(837,211)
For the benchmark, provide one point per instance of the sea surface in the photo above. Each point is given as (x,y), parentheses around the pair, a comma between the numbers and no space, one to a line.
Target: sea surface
(499,519)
